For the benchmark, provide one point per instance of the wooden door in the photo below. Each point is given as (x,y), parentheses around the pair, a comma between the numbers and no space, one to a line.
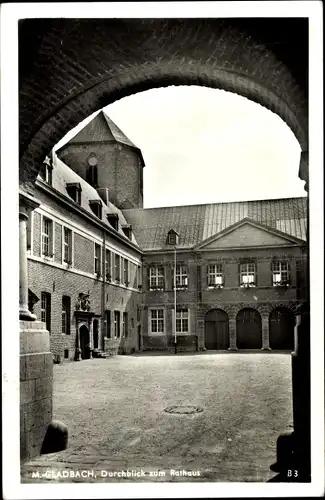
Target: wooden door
(281,328)
(249,329)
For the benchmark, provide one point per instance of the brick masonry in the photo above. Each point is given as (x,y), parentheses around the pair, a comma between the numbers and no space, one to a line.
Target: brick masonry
(79,66)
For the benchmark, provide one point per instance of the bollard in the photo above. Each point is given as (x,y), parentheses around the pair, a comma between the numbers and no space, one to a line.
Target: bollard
(56,438)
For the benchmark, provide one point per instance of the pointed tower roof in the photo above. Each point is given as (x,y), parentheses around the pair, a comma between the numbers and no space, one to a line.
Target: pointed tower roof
(101,128)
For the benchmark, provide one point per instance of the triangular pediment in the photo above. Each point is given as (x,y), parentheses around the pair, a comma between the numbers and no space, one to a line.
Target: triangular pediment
(248,233)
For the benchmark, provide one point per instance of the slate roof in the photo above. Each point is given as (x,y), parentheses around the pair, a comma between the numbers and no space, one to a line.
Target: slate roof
(63,175)
(196,223)
(101,128)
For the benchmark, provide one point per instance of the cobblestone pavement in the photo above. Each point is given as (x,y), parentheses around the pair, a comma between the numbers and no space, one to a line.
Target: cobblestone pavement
(114,409)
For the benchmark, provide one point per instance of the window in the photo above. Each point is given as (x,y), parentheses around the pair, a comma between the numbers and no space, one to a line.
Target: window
(66,313)
(117,332)
(108,274)
(92,175)
(127,230)
(125,325)
(47,237)
(66,353)
(247,275)
(108,323)
(126,272)
(139,277)
(172,238)
(46,171)
(181,320)
(215,275)
(181,277)
(157,278)
(117,268)
(157,320)
(97,259)
(113,220)
(280,273)
(46,309)
(74,191)
(67,245)
(96,207)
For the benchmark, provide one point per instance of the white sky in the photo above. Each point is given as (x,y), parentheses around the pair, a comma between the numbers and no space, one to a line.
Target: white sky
(202,145)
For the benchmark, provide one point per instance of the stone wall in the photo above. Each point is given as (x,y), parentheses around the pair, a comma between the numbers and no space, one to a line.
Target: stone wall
(36,378)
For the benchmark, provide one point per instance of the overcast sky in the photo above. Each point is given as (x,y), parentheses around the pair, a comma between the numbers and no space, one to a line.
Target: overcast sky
(202,145)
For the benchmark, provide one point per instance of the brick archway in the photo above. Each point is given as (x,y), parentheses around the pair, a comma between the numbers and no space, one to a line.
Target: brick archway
(75,67)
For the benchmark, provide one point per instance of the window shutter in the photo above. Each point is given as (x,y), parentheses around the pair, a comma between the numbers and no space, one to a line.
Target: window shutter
(207,275)
(255,273)
(238,274)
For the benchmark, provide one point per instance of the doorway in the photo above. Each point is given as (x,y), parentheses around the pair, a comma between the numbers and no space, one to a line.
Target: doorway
(249,329)
(216,330)
(84,342)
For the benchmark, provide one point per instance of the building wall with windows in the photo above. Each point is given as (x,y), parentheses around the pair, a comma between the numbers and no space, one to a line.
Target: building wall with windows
(72,250)
(239,280)
(240,267)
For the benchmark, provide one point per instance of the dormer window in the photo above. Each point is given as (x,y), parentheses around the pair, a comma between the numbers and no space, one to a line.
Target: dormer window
(113,220)
(127,230)
(74,191)
(46,171)
(172,238)
(96,207)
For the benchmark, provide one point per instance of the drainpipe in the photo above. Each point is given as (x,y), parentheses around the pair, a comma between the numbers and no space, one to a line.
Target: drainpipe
(102,302)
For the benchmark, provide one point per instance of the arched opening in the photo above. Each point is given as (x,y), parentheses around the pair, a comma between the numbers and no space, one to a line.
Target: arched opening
(281,328)
(205,52)
(216,330)
(249,329)
(84,342)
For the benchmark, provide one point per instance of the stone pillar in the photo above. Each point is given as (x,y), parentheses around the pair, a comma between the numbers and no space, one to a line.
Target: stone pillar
(26,204)
(36,360)
(232,335)
(265,333)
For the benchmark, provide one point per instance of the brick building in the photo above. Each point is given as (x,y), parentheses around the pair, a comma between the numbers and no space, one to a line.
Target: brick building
(102,267)
(240,273)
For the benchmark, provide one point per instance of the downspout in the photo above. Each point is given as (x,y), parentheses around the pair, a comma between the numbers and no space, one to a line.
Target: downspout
(102,301)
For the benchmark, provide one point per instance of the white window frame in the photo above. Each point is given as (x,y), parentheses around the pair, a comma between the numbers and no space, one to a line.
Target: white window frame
(65,245)
(97,259)
(215,276)
(126,272)
(281,275)
(181,277)
(116,278)
(182,315)
(50,237)
(108,264)
(159,317)
(117,324)
(248,275)
(156,276)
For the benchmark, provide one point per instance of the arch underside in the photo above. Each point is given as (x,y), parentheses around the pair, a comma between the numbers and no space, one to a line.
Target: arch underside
(83,66)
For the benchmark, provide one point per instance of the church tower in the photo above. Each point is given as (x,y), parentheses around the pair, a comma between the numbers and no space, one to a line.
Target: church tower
(102,155)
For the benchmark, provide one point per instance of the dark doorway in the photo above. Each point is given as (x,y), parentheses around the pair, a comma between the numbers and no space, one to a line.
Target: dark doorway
(84,342)
(139,337)
(249,329)
(281,325)
(216,330)
(95,333)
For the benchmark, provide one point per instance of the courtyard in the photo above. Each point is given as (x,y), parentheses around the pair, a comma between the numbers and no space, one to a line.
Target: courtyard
(115,412)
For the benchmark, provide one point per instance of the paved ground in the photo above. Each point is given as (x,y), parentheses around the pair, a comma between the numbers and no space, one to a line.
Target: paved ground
(114,409)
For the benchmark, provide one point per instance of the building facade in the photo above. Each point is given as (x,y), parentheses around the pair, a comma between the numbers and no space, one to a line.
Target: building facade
(102,269)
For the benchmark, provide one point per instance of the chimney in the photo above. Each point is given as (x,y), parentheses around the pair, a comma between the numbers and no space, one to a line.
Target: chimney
(104,194)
